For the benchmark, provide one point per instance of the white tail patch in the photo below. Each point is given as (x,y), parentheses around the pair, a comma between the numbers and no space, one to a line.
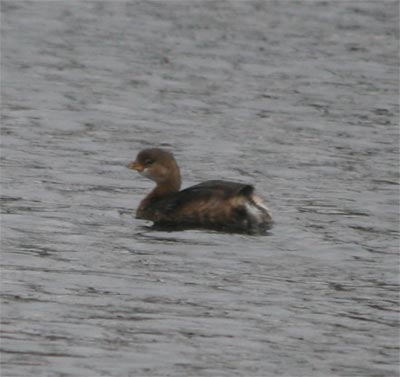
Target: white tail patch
(260,203)
(257,210)
(258,216)
(253,211)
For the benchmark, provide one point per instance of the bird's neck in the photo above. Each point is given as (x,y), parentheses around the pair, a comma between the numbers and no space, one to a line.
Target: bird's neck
(164,189)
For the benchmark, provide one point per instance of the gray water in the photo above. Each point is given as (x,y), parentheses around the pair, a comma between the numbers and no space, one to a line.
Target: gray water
(298,98)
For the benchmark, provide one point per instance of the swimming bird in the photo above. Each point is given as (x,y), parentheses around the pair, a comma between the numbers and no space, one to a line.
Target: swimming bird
(216,204)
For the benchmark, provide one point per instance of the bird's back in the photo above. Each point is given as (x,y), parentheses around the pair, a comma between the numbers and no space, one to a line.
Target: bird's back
(220,205)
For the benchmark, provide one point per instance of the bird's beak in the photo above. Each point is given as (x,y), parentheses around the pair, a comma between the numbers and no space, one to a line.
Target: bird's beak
(136,166)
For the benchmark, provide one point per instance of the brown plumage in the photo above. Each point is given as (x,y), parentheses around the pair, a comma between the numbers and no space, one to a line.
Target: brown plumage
(218,205)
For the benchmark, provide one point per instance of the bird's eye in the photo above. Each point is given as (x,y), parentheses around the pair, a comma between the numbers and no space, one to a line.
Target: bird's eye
(149,161)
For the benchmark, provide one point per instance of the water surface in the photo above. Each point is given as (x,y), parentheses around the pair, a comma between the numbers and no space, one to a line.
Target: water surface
(300,99)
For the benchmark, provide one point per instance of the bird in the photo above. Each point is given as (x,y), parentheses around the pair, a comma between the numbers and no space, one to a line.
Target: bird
(219,205)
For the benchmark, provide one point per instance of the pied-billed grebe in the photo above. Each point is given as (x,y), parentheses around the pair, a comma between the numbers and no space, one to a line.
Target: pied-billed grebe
(218,205)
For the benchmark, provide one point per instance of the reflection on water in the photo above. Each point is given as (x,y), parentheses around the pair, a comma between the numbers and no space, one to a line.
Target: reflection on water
(300,101)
